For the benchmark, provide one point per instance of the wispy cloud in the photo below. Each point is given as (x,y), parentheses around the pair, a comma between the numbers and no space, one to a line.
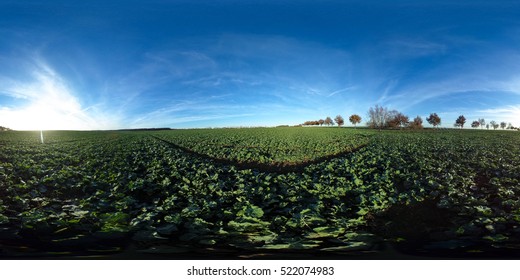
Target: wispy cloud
(512,85)
(346,89)
(413,48)
(388,88)
(421,93)
(508,114)
(259,76)
(477,67)
(251,70)
(50,103)
(232,77)
(188,112)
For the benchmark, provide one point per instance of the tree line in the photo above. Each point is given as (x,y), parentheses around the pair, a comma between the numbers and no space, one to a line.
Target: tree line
(380,117)
(339,120)
(461,120)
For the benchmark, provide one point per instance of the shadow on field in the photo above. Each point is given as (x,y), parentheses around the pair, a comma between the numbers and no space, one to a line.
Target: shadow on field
(425,231)
(416,231)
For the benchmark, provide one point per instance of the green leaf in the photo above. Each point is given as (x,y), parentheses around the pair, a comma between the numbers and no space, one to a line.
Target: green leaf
(255,212)
(208,242)
(3,219)
(248,226)
(167,229)
(496,238)
(362,211)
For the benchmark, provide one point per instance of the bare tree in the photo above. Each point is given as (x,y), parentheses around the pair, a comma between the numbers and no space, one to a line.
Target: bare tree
(377,117)
(434,119)
(475,124)
(503,125)
(482,122)
(494,124)
(354,119)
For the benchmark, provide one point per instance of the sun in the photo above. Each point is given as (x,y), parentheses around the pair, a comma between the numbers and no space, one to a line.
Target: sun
(50,103)
(34,117)
(38,116)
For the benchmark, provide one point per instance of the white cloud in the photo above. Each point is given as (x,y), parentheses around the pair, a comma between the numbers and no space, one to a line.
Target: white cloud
(508,114)
(50,104)
(513,85)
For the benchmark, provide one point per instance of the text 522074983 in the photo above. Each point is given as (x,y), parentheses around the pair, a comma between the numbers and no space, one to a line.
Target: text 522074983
(306,270)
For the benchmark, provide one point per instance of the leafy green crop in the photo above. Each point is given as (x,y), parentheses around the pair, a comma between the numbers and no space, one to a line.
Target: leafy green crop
(91,192)
(282,146)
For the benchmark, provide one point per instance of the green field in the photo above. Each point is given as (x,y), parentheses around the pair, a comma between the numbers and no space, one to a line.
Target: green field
(260,192)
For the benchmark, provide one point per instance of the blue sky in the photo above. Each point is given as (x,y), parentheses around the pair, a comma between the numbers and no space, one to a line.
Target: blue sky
(130,64)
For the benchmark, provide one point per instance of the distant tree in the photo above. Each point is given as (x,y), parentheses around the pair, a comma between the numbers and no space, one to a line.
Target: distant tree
(321,121)
(434,119)
(509,126)
(461,120)
(328,121)
(416,123)
(339,120)
(493,124)
(3,128)
(397,119)
(487,126)
(503,125)
(403,120)
(311,123)
(354,119)
(377,117)
(475,124)
(392,120)
(482,122)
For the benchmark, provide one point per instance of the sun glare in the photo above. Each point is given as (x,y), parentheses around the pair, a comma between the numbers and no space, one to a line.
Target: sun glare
(56,114)
(51,105)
